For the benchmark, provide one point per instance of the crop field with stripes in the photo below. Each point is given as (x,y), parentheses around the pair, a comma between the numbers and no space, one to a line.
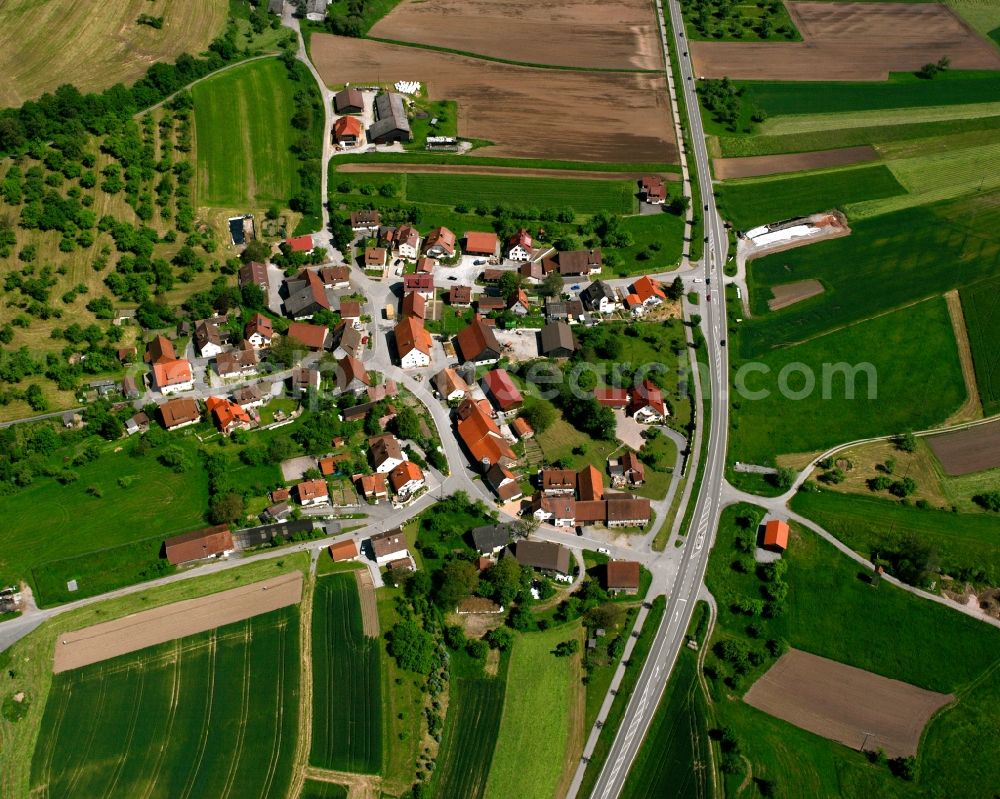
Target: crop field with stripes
(214,714)
(347,699)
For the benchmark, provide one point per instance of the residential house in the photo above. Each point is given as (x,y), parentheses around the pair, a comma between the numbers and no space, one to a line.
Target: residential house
(502,391)
(341,551)
(413,343)
(519,303)
(492,538)
(312,492)
(574,263)
(480,243)
(633,470)
(426,265)
(622,577)
(776,535)
(486,304)
(177,413)
(492,276)
(347,131)
(477,343)
(590,484)
(130,389)
(259,331)
(646,403)
(199,544)
(312,337)
(254,395)
(522,429)
(391,124)
(352,375)
(414,305)
(170,373)
(372,486)
(520,246)
(376,257)
(335,277)
(388,546)
(237,363)
(450,385)
(557,482)
(347,340)
(348,101)
(228,415)
(652,190)
(599,297)
(405,240)
(563,310)
(254,273)
(544,556)
(366,221)
(385,453)
(460,296)
(303,380)
(421,283)
(627,511)
(532,271)
(481,436)
(644,294)
(440,243)
(350,311)
(557,340)
(503,483)
(300,243)
(306,295)
(406,478)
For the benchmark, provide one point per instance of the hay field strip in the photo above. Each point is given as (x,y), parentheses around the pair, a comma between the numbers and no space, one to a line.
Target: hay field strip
(347,702)
(788,124)
(243,134)
(95,45)
(209,715)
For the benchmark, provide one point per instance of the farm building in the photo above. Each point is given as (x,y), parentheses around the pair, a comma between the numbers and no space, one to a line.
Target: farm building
(413,343)
(348,101)
(478,343)
(254,273)
(574,263)
(626,511)
(563,310)
(532,271)
(559,511)
(557,340)
(481,436)
(388,546)
(776,535)
(487,304)
(177,413)
(391,124)
(365,221)
(520,246)
(622,577)
(343,550)
(477,243)
(312,337)
(612,397)
(590,484)
(300,243)
(502,391)
(557,482)
(652,190)
(199,544)
(347,131)
(543,555)
(306,295)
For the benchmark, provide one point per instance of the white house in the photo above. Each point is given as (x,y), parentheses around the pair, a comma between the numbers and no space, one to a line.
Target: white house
(389,546)
(208,339)
(385,453)
(558,511)
(519,246)
(312,492)
(406,478)
(413,343)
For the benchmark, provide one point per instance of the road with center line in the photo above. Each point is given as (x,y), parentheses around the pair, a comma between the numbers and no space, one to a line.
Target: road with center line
(708,506)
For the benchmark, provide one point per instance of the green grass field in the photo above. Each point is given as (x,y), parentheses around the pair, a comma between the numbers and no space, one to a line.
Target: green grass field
(243,133)
(757,201)
(833,613)
(314,789)
(808,123)
(865,524)
(649,231)
(886,262)
(534,730)
(213,714)
(475,704)
(674,759)
(583,196)
(918,382)
(981,306)
(347,706)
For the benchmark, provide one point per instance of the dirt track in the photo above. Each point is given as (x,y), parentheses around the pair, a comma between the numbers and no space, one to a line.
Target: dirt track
(855,707)
(526,112)
(968,451)
(369,606)
(501,171)
(791,293)
(149,627)
(572,33)
(851,41)
(756,165)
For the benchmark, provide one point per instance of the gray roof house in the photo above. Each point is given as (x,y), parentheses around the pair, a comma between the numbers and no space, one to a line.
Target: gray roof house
(557,340)
(391,124)
(491,538)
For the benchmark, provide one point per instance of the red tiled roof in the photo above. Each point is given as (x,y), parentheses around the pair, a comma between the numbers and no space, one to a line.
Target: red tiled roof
(623,574)
(404,473)
(343,550)
(590,483)
(172,373)
(645,287)
(410,335)
(311,489)
(776,534)
(612,397)
(479,243)
(502,388)
(418,282)
(347,126)
(312,336)
(481,435)
(199,544)
(300,243)
(226,412)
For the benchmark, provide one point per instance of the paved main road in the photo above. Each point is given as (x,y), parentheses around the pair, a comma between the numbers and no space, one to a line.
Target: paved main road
(680,605)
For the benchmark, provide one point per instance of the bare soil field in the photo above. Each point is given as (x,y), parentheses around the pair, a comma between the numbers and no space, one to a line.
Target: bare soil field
(369,606)
(572,33)
(851,41)
(854,707)
(968,451)
(526,112)
(501,171)
(94,45)
(791,293)
(758,165)
(131,633)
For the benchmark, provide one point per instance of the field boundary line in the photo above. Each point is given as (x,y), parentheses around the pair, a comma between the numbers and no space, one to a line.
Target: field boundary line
(136,707)
(972,408)
(203,738)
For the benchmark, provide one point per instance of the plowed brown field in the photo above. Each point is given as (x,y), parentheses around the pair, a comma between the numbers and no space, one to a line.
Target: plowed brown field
(527,112)
(851,41)
(968,451)
(791,293)
(854,707)
(756,165)
(574,33)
